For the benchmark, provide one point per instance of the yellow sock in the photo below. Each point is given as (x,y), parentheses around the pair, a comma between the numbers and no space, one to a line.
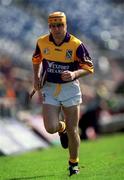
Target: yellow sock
(62,128)
(74,160)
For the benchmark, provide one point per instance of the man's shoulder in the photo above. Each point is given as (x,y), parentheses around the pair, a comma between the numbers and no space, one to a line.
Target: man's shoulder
(43,37)
(75,39)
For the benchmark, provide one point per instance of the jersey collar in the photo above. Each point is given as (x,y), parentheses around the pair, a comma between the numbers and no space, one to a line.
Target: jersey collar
(66,39)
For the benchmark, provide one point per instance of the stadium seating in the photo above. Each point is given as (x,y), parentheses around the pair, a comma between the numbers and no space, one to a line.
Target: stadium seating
(18,32)
(101,23)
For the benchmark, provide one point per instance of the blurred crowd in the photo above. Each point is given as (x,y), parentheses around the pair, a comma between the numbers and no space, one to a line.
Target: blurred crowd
(104,110)
(14,87)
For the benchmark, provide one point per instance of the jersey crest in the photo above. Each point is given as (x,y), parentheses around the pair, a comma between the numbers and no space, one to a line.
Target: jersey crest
(69,54)
(46,51)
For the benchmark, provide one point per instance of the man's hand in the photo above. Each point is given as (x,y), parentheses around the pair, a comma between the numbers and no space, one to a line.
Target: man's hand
(68,75)
(37,84)
(41,96)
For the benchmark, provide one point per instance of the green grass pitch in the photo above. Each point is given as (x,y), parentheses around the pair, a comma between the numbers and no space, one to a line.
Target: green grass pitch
(102,159)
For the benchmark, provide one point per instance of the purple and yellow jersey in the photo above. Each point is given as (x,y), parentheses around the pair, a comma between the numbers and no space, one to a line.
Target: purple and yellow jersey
(70,55)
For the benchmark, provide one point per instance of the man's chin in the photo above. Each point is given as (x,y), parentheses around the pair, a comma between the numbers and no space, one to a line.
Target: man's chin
(58,35)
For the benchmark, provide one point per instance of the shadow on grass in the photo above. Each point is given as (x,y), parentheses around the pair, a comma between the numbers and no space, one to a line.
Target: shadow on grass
(23,178)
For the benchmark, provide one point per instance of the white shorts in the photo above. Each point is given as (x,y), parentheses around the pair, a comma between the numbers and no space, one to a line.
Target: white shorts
(69,94)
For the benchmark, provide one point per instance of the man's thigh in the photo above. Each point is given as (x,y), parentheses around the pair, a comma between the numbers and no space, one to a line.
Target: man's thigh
(72,115)
(50,115)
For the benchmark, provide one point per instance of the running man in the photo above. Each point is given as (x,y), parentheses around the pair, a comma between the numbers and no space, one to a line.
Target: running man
(63,58)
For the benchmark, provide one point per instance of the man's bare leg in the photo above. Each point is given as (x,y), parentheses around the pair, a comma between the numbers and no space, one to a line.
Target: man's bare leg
(51,119)
(72,119)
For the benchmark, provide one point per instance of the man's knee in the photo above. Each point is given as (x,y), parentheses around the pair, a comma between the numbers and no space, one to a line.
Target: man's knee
(73,131)
(51,130)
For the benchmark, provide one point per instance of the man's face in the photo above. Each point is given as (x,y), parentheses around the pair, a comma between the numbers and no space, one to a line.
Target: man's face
(58,30)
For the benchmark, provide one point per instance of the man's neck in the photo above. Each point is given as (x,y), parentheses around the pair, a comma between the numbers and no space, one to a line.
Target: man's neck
(58,40)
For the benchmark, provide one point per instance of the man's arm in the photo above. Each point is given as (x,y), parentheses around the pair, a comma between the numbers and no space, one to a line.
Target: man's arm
(84,61)
(37,83)
(71,75)
(81,72)
(36,61)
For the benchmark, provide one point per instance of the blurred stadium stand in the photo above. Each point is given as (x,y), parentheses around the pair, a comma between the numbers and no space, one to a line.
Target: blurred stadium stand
(98,20)
(16,138)
(23,21)
(98,23)
(18,32)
